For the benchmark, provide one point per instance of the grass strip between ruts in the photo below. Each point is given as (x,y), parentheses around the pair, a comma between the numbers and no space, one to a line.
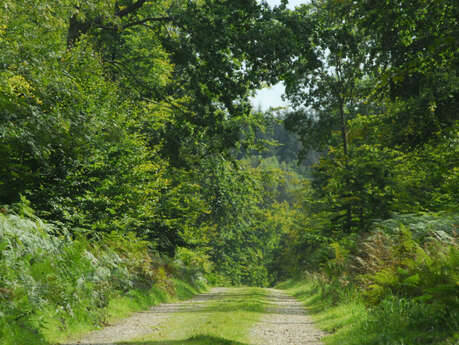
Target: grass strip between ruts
(223,321)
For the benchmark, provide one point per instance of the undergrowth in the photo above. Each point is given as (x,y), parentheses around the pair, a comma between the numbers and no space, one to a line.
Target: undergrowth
(398,285)
(52,284)
(350,321)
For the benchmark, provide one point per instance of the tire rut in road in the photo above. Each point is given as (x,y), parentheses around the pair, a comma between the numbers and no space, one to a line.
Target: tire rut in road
(143,323)
(285,323)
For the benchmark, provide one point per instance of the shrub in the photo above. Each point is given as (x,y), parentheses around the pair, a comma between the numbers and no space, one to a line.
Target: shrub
(46,276)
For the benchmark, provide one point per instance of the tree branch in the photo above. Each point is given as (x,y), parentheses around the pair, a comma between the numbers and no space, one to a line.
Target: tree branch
(134,7)
(138,82)
(146,20)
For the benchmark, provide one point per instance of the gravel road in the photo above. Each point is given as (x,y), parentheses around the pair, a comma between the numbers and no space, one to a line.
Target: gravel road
(143,323)
(285,323)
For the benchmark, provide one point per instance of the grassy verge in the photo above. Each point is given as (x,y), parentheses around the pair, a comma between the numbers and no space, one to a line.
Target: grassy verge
(349,321)
(223,322)
(53,284)
(343,322)
(120,307)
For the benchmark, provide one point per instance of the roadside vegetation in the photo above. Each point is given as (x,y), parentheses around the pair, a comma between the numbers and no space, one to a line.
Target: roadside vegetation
(376,246)
(398,287)
(53,286)
(122,129)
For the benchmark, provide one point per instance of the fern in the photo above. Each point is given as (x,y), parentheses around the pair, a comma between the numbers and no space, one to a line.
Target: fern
(43,271)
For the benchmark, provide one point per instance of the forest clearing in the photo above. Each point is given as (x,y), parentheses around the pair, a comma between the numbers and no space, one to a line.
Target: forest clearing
(145,199)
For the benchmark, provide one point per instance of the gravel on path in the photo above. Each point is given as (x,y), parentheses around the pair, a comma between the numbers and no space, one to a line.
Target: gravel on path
(285,323)
(143,323)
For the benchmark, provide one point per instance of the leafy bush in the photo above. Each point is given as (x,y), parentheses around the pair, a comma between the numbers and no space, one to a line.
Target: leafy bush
(48,277)
(404,271)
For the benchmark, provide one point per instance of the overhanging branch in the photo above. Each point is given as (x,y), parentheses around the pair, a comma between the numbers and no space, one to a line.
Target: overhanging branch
(134,7)
(146,20)
(138,22)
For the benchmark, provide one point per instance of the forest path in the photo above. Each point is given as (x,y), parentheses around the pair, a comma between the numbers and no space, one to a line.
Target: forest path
(285,323)
(222,316)
(143,323)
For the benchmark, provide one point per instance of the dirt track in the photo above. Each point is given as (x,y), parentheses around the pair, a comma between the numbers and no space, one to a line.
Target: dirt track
(143,323)
(283,323)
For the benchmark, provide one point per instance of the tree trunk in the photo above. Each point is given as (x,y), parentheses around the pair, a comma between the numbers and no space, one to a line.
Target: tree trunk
(343,125)
(348,223)
(76,29)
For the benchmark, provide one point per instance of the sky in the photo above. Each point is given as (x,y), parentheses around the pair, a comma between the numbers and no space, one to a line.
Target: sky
(271,97)
(291,3)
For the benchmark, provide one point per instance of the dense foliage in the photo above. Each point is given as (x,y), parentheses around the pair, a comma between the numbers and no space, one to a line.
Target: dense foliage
(120,123)
(126,126)
(50,282)
(380,215)
(113,112)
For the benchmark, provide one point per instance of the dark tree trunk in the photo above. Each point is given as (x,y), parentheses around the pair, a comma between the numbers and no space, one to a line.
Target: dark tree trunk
(76,29)
(348,223)
(343,125)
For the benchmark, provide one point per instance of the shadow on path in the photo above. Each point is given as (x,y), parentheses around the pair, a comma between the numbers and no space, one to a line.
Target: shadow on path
(195,340)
